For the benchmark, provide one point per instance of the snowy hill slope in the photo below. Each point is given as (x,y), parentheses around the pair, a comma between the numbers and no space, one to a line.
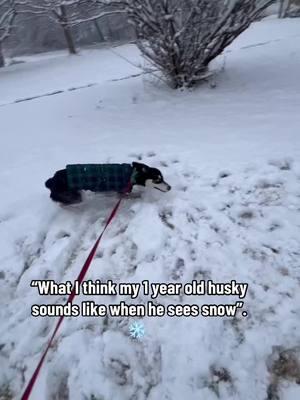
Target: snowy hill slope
(231,155)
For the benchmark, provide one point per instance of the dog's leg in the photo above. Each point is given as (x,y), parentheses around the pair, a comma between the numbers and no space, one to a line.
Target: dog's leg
(66,197)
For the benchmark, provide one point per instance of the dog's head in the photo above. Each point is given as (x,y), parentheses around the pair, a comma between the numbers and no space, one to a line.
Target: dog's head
(149,177)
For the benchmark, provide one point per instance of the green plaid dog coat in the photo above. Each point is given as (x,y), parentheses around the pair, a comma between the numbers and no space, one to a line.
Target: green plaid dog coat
(99,177)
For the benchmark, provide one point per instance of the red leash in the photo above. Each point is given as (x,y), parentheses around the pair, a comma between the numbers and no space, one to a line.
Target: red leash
(27,392)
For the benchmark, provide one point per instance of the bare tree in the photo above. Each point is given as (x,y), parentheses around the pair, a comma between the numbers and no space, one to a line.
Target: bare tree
(181,37)
(8,13)
(68,13)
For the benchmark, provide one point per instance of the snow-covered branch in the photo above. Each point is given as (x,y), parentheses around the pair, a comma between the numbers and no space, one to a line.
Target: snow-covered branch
(69,13)
(7,15)
(75,11)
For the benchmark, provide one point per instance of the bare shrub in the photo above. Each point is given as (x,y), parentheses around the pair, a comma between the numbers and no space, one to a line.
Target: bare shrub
(181,37)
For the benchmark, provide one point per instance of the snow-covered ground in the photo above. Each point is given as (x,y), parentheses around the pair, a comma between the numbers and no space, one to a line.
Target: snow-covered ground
(231,154)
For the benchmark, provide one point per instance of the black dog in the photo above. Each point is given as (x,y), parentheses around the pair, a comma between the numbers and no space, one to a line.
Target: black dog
(67,184)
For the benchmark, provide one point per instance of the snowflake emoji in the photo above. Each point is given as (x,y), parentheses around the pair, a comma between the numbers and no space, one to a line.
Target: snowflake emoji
(137,330)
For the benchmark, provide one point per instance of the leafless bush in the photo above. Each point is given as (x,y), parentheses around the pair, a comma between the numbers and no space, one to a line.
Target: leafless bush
(181,37)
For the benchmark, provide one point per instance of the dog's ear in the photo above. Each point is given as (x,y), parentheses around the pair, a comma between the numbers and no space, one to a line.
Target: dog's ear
(140,167)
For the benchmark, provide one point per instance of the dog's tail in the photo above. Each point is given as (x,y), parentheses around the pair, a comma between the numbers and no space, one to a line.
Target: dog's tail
(49,183)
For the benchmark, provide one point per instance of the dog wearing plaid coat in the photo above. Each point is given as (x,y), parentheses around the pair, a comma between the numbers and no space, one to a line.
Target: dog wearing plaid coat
(66,185)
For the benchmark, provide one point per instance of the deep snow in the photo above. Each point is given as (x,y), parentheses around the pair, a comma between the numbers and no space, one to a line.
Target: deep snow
(231,154)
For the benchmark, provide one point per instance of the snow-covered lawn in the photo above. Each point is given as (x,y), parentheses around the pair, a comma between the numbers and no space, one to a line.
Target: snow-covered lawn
(231,154)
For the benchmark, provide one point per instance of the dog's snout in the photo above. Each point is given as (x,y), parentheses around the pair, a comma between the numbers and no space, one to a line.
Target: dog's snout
(163,187)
